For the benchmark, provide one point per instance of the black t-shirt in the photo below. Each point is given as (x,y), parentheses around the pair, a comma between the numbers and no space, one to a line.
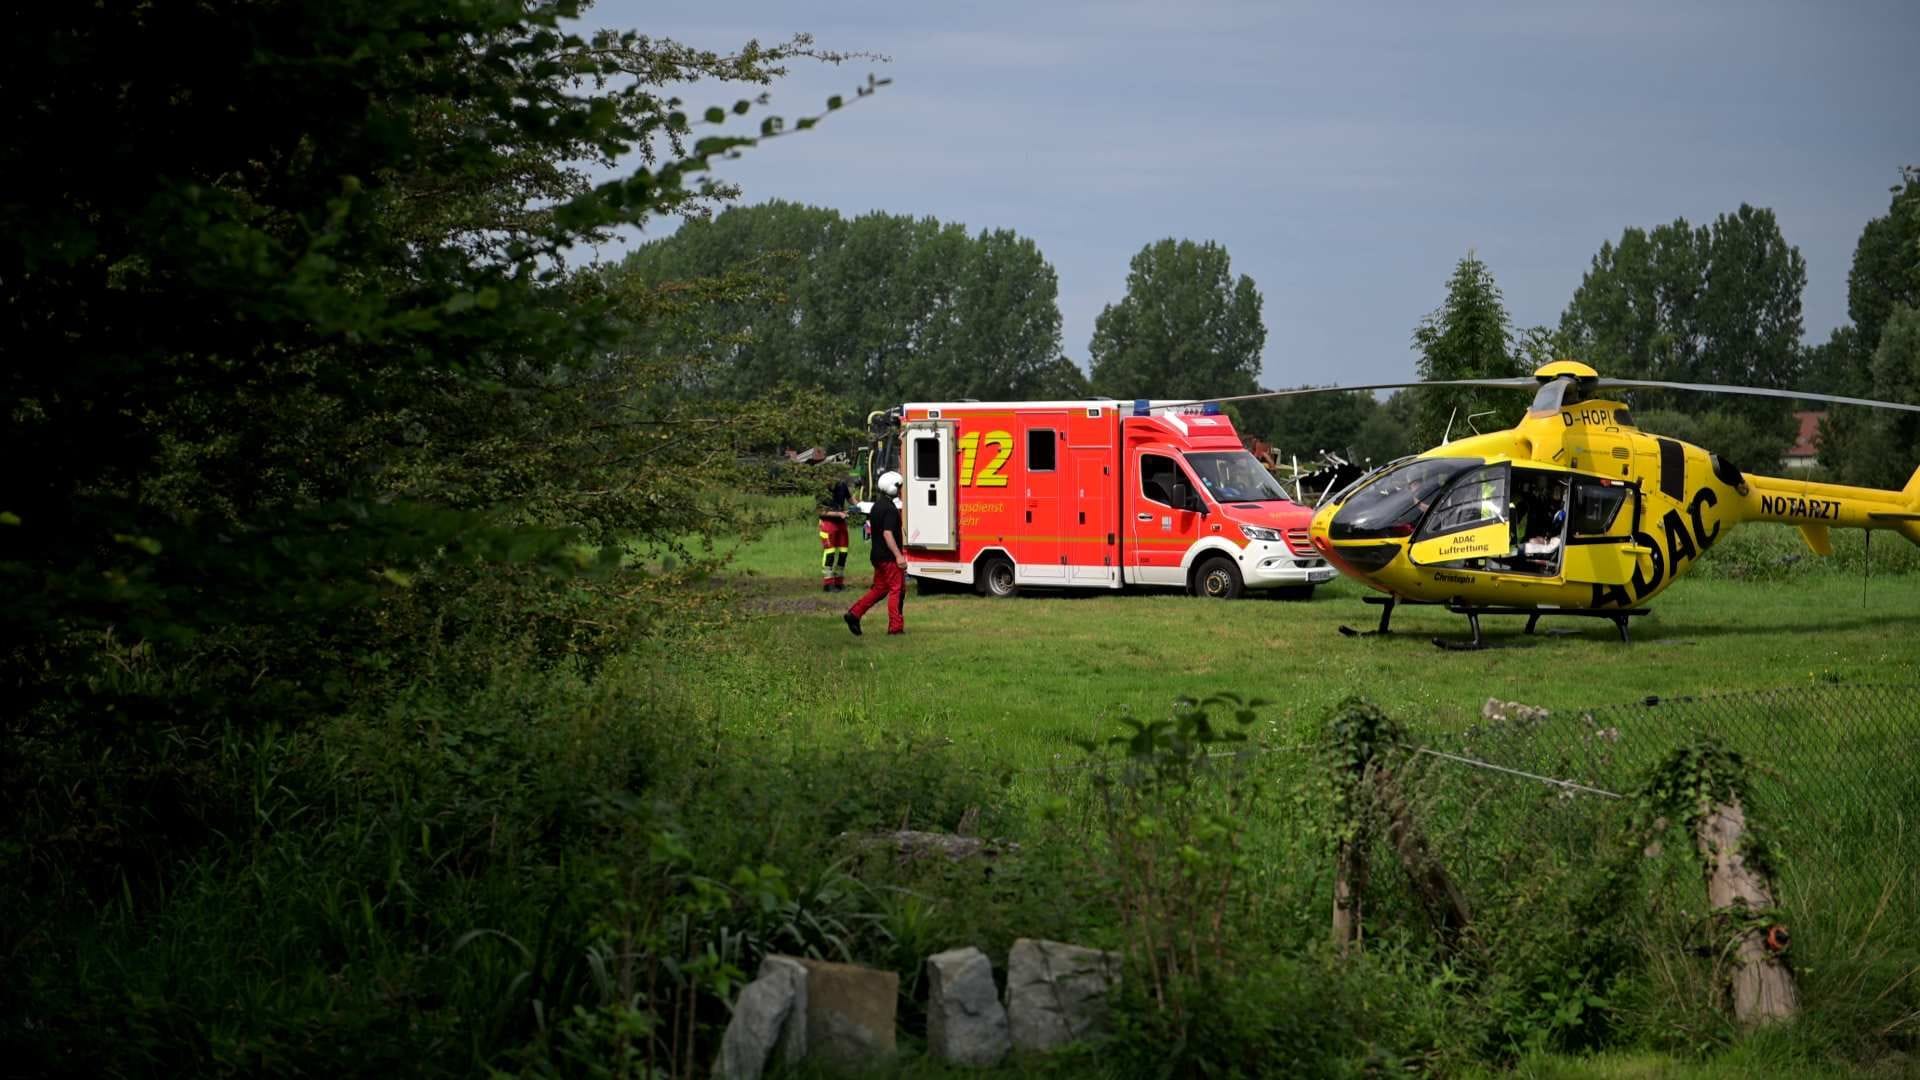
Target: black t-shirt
(884,519)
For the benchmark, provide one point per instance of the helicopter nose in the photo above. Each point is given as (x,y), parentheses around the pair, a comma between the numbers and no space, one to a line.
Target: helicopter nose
(1317,533)
(1317,528)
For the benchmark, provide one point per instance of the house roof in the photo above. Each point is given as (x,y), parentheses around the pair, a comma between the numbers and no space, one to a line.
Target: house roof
(1805,443)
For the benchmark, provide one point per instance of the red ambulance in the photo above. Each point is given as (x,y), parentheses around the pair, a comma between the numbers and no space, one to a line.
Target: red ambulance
(1095,494)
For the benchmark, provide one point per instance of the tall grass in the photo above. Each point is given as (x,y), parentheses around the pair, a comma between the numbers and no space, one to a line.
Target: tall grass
(548,868)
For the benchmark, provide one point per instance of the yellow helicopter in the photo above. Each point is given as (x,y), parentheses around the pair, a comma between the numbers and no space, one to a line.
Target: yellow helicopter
(1573,511)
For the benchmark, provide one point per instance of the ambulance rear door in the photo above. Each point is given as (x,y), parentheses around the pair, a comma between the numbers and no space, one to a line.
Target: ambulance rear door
(927,496)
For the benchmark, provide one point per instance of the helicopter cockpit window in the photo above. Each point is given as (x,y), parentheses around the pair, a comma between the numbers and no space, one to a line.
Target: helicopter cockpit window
(1391,502)
(1476,499)
(1347,490)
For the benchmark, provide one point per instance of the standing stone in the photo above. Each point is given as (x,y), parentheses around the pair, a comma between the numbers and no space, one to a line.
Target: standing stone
(765,1006)
(793,1032)
(850,1013)
(1057,993)
(966,1024)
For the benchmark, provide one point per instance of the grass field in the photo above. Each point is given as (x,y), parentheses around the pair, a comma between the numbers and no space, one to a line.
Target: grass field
(1009,685)
(1021,677)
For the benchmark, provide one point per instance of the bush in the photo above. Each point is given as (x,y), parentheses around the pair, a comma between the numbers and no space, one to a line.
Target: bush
(1777,553)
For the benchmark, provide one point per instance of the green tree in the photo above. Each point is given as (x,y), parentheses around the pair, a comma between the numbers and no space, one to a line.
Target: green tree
(873,310)
(1725,433)
(1884,278)
(996,333)
(1710,304)
(315,247)
(1834,366)
(1389,432)
(1309,425)
(770,251)
(1062,380)
(1886,264)
(1881,447)
(1468,337)
(1713,304)
(1538,346)
(313,398)
(1186,328)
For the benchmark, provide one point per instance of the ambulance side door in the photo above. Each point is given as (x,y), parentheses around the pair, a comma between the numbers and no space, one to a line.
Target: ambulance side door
(1088,511)
(1160,527)
(1042,458)
(1090,555)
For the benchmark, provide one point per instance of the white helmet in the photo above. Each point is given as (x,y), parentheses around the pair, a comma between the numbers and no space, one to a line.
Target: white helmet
(889,483)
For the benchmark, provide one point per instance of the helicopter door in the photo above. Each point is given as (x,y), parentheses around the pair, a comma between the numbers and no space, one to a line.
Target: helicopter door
(1600,545)
(1468,523)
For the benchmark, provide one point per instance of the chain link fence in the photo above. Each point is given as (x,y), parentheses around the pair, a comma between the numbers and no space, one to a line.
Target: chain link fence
(1524,845)
(1832,768)
(1833,790)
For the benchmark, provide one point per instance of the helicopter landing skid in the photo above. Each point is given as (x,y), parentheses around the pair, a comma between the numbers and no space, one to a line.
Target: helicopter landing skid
(1618,616)
(1387,604)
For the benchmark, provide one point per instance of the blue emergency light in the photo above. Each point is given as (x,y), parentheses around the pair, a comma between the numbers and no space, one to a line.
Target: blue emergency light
(1142,407)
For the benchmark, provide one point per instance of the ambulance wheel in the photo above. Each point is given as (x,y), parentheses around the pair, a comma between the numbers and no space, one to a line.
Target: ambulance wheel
(994,577)
(1217,578)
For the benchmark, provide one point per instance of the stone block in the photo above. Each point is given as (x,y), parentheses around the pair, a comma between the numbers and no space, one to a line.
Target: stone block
(850,1013)
(966,1024)
(765,1006)
(1058,993)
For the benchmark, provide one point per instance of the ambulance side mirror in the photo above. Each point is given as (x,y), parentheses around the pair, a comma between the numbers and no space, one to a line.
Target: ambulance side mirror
(1184,498)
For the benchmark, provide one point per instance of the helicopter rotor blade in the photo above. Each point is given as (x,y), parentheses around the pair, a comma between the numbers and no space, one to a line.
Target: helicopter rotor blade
(1752,391)
(1520,383)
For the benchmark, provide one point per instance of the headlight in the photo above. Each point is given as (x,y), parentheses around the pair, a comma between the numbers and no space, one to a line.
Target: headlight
(1255,532)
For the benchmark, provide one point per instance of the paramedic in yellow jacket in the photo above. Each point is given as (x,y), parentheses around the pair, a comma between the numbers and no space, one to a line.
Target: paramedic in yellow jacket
(833,536)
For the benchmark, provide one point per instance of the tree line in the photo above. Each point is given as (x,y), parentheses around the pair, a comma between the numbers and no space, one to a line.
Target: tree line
(883,308)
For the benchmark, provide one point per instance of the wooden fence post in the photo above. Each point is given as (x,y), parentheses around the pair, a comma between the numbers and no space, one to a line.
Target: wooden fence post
(1445,904)
(1763,987)
(1349,894)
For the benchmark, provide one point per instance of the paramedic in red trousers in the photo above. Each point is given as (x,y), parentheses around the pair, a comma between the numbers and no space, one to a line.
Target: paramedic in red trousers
(833,537)
(889,567)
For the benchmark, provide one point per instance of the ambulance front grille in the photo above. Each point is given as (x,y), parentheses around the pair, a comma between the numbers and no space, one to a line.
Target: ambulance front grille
(1299,540)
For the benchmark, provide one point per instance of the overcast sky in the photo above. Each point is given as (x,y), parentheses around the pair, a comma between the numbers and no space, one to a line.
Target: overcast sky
(1347,155)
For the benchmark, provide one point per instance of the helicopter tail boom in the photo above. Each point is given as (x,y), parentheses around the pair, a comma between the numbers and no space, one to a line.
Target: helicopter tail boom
(1816,507)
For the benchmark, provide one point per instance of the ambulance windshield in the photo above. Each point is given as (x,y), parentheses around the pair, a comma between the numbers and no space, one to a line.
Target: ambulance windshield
(1236,476)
